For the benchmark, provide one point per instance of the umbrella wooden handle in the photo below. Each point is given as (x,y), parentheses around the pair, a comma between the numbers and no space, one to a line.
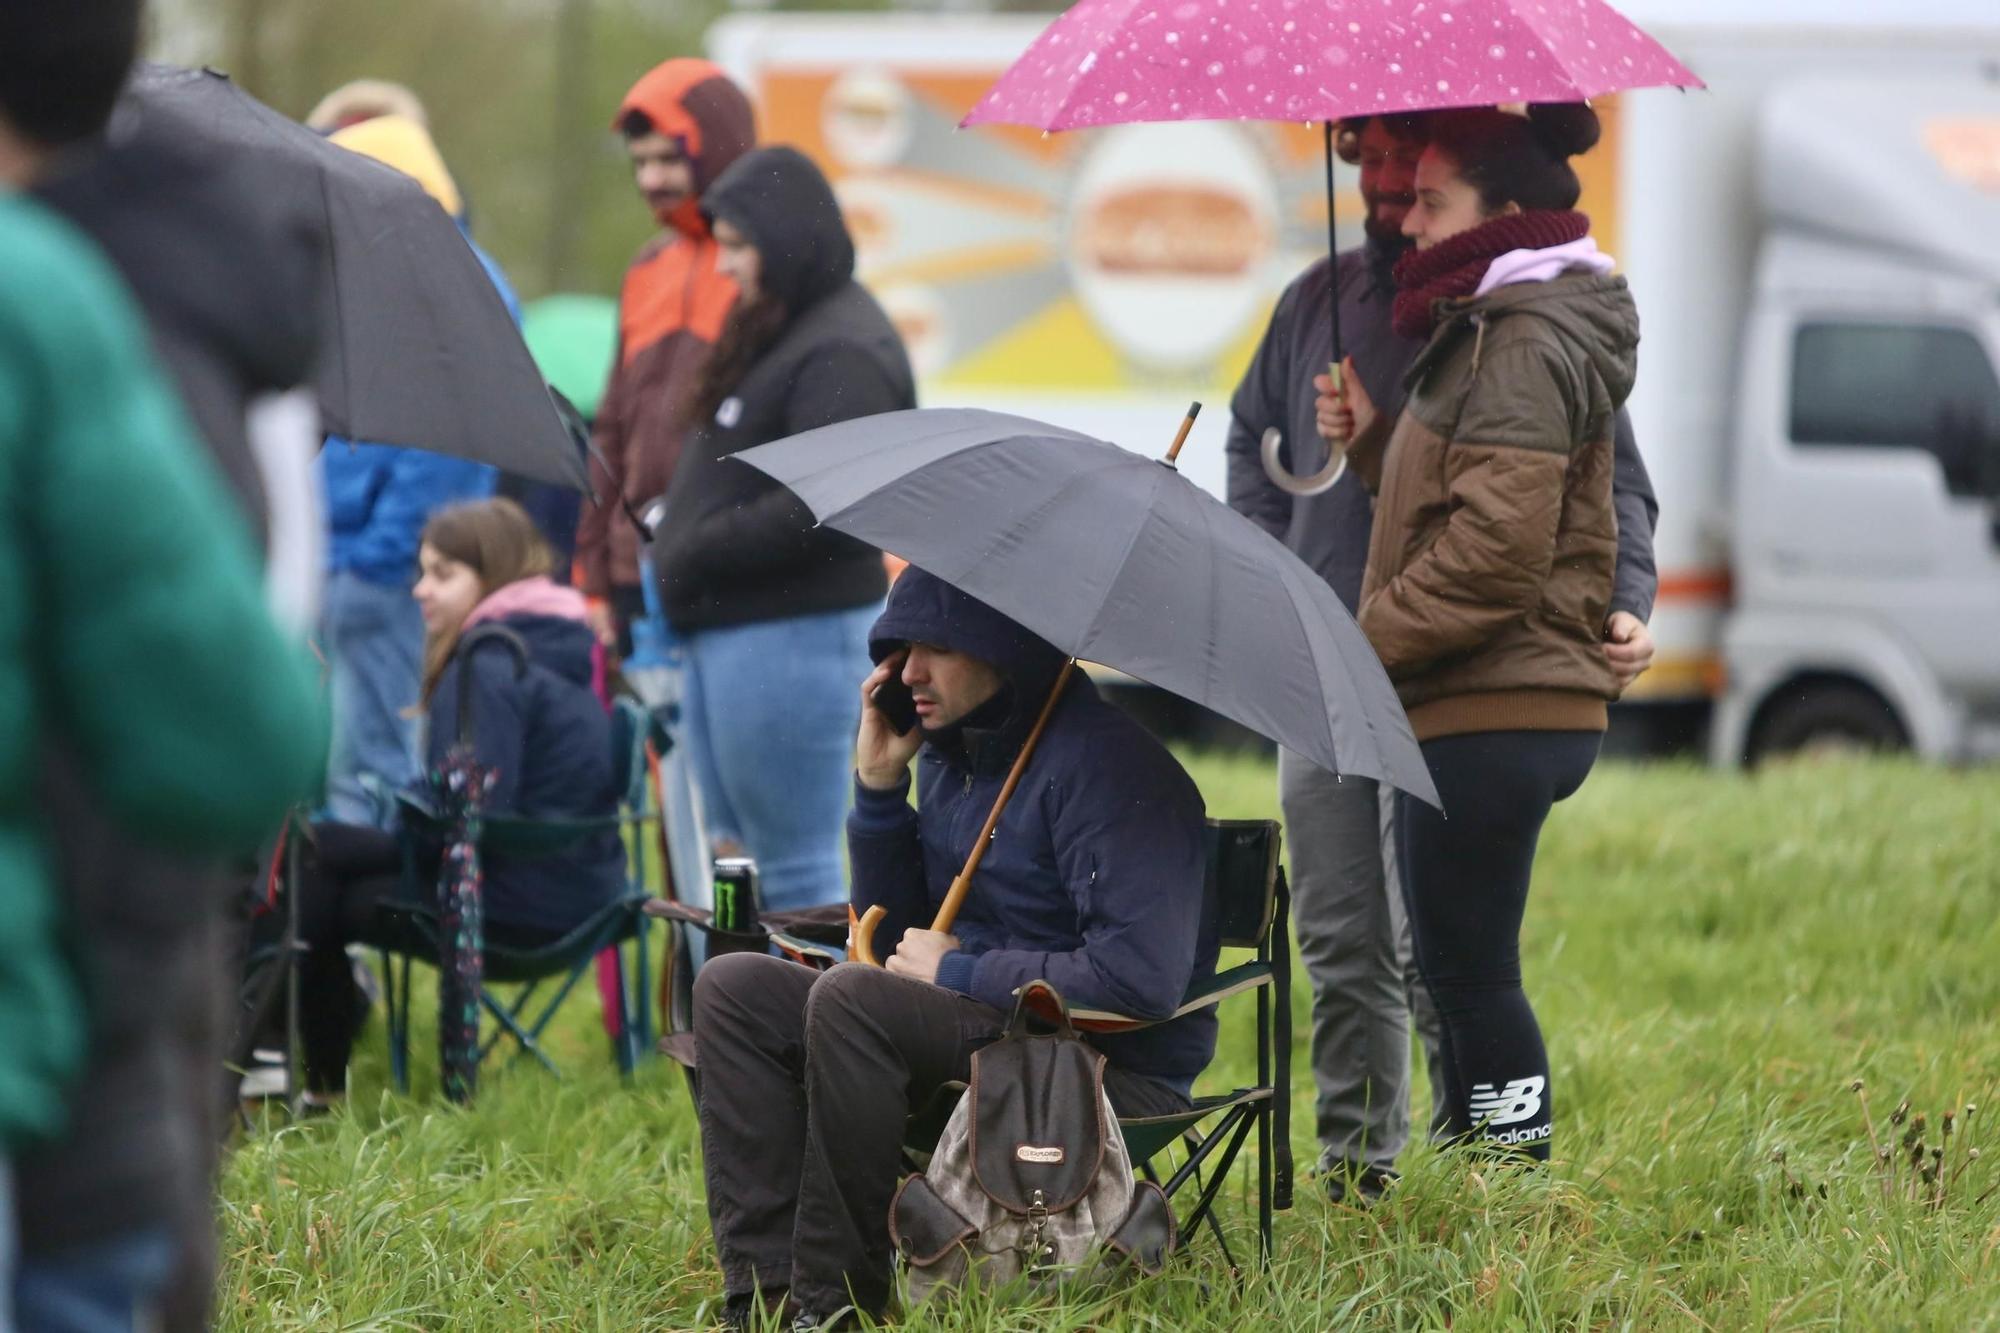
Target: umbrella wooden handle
(1187,424)
(862,948)
(861,945)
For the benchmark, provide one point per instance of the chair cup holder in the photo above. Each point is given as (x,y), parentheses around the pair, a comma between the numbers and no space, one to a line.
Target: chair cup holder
(755,940)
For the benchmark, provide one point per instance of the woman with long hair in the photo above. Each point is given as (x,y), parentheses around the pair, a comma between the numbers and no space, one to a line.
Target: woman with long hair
(1490,563)
(537,727)
(773,609)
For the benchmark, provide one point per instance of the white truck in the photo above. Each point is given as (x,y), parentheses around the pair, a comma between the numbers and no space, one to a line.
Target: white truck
(1814,244)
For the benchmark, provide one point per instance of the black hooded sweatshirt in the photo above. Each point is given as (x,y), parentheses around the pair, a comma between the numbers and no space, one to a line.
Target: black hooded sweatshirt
(734,546)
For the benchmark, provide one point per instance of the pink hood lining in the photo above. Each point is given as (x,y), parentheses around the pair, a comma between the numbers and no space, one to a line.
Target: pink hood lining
(538,596)
(1579,256)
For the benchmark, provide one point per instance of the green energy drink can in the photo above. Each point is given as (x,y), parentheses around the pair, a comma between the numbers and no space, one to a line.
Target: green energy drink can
(735,886)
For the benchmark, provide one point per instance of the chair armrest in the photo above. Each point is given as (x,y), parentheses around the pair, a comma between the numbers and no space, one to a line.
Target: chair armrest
(1204,993)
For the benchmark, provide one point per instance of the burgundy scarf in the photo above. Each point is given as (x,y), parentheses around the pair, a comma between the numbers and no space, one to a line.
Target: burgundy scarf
(1452,268)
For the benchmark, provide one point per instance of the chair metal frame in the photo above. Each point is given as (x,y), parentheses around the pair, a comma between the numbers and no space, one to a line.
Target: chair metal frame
(1247,875)
(1253,899)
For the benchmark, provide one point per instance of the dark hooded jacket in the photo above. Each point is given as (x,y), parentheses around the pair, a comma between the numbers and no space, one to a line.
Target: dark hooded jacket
(1094,880)
(734,546)
(225,272)
(543,734)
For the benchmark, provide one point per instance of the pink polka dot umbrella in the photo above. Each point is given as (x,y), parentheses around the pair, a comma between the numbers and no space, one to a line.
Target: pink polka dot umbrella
(1115,62)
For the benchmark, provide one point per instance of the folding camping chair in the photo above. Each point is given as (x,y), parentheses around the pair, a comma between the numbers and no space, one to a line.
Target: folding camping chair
(1253,907)
(409,931)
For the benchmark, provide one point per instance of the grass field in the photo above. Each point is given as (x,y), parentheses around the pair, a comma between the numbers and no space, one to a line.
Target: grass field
(1715,959)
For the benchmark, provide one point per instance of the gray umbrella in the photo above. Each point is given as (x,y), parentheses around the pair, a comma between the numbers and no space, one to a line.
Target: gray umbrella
(418,349)
(1113,558)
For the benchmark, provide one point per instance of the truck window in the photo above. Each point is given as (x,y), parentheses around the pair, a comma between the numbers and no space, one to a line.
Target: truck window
(1900,386)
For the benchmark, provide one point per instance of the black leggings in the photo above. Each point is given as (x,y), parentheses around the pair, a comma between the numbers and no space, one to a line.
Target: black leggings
(1465,881)
(347,872)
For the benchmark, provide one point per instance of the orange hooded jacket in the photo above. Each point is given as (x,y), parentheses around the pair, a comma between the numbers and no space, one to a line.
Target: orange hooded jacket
(670,312)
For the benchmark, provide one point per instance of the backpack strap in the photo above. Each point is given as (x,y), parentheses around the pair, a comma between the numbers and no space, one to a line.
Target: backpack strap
(473,639)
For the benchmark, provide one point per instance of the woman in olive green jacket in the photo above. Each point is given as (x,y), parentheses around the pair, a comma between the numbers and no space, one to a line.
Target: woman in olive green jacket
(1490,564)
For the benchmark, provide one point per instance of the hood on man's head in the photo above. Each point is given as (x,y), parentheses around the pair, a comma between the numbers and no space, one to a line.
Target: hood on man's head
(923,608)
(779,200)
(407,146)
(695,102)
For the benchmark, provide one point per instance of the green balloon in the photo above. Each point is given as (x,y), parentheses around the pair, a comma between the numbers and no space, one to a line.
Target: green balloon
(574,339)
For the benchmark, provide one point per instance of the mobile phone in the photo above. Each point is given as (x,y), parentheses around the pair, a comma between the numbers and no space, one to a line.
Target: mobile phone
(892,698)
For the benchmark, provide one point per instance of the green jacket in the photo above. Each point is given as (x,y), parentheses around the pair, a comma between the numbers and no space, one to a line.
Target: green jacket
(131,624)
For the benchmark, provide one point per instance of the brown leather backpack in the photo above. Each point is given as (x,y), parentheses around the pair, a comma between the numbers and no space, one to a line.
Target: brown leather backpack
(1031,1179)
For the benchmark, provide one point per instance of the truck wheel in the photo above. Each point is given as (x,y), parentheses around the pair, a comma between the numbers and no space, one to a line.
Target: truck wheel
(1826,718)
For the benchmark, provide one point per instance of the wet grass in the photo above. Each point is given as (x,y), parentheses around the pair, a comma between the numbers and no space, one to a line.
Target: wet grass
(1716,960)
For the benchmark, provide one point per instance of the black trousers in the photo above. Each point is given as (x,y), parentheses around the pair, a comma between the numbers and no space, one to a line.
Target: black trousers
(807,1080)
(1465,881)
(347,873)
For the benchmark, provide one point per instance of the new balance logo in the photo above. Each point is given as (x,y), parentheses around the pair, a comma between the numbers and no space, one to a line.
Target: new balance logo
(1519,1100)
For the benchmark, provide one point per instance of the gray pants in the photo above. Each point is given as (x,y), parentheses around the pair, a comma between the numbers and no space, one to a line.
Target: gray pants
(1354,940)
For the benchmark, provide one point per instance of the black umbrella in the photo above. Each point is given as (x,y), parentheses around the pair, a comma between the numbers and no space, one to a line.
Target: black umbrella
(418,348)
(1113,558)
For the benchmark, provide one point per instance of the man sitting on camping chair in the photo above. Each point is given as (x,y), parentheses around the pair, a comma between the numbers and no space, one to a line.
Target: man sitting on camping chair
(1093,881)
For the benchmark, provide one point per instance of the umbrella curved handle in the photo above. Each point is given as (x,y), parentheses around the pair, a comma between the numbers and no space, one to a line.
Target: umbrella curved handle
(861,949)
(1317,484)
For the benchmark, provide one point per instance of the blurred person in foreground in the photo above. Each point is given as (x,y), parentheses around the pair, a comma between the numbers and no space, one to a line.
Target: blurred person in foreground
(1492,565)
(774,609)
(683,124)
(378,499)
(133,632)
(227,277)
(1354,937)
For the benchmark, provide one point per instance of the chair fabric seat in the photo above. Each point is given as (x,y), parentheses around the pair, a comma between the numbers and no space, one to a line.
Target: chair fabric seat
(406,928)
(1147,1136)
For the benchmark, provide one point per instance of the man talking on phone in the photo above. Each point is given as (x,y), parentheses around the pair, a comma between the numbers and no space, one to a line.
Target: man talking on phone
(1094,882)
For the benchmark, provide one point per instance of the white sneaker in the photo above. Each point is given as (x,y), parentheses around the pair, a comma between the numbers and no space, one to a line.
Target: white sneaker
(264,1080)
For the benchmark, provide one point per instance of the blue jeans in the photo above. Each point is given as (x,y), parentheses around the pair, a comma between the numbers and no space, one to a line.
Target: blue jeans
(373,635)
(112,1287)
(771,714)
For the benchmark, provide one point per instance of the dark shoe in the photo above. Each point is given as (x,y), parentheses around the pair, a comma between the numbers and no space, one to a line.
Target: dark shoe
(1360,1186)
(745,1311)
(846,1317)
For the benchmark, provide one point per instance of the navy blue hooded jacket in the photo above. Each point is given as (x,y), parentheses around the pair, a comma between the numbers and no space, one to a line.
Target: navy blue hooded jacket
(547,740)
(1095,877)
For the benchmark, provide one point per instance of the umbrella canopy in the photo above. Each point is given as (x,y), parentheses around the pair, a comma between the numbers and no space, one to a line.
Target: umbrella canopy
(1120,62)
(575,340)
(1114,62)
(1113,558)
(418,348)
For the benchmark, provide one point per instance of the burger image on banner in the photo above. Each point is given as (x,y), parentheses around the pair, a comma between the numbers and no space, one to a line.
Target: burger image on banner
(1171,230)
(866,120)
